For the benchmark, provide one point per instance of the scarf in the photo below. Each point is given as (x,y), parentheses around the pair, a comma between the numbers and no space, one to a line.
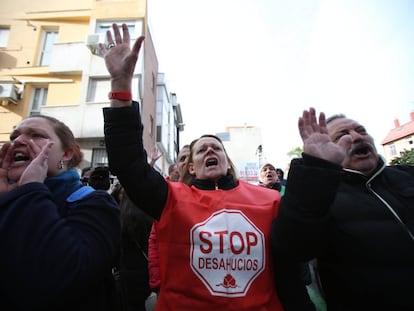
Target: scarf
(63,184)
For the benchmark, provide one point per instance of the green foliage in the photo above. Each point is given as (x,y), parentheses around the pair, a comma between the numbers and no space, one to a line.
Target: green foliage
(406,158)
(295,153)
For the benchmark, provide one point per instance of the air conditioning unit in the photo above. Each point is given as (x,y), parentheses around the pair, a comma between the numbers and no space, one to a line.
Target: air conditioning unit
(92,42)
(8,92)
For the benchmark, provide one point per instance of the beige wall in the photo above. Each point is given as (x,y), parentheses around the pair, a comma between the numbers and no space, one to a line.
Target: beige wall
(119,9)
(71,92)
(74,20)
(50,7)
(148,106)
(9,116)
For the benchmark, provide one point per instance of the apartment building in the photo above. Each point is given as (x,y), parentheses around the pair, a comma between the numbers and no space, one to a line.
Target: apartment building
(50,64)
(399,139)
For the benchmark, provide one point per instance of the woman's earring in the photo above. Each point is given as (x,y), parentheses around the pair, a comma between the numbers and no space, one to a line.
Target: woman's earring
(60,166)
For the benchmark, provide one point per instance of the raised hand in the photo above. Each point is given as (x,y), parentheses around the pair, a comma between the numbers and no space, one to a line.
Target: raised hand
(6,153)
(120,60)
(154,155)
(316,140)
(36,171)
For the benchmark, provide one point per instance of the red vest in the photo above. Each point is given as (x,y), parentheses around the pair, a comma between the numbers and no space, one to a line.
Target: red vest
(215,250)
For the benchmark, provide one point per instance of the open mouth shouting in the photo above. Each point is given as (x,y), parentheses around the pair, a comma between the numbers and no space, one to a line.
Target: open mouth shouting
(361,149)
(20,158)
(211,162)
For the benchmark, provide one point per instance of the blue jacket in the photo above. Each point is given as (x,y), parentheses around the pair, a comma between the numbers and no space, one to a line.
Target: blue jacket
(55,257)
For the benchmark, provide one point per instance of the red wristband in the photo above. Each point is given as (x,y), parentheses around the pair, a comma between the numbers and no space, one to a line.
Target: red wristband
(120,95)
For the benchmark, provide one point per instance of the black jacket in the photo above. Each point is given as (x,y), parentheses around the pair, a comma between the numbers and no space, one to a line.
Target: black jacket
(349,222)
(134,276)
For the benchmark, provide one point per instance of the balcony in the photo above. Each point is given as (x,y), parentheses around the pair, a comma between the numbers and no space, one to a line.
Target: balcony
(69,58)
(85,121)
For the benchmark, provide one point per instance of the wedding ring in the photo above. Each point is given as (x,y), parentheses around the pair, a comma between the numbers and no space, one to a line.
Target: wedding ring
(111,45)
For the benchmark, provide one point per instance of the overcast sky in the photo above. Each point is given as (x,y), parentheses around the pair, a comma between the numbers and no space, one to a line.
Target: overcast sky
(262,62)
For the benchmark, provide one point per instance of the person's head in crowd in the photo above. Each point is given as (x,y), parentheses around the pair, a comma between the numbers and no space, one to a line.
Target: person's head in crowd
(280,173)
(173,172)
(118,192)
(86,171)
(208,159)
(32,134)
(99,178)
(267,175)
(182,158)
(362,154)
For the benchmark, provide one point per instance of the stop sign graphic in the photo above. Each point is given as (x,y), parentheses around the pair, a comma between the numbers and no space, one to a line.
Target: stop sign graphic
(227,253)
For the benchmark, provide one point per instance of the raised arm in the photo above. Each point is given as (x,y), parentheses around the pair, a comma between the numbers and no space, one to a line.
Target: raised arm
(154,155)
(301,229)
(123,128)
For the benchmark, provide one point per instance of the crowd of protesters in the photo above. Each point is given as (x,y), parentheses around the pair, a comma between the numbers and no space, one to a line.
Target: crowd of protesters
(200,238)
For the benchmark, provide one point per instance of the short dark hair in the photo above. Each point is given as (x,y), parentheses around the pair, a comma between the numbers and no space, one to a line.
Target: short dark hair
(334,117)
(99,178)
(171,168)
(280,171)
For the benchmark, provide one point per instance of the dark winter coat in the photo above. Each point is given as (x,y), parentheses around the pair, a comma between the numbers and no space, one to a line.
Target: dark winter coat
(359,228)
(134,275)
(55,257)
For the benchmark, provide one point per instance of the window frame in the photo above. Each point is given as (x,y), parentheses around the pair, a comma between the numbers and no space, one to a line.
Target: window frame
(93,93)
(99,157)
(92,96)
(393,149)
(135,28)
(4,36)
(45,50)
(42,102)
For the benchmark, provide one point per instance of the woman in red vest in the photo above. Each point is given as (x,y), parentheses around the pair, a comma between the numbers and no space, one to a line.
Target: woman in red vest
(213,231)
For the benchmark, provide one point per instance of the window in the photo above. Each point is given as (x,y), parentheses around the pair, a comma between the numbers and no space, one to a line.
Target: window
(99,157)
(49,38)
(39,98)
(98,90)
(100,86)
(135,27)
(103,27)
(393,150)
(4,36)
